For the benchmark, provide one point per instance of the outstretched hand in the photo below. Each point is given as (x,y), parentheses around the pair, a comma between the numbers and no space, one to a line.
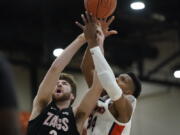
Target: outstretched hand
(105,23)
(92,29)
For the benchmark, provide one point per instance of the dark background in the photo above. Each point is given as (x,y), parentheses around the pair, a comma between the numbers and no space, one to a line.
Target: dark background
(31,29)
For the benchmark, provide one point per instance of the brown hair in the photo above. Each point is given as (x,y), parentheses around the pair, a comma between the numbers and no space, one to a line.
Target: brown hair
(70,79)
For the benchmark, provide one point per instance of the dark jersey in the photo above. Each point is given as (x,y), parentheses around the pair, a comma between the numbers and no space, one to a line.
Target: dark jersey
(53,121)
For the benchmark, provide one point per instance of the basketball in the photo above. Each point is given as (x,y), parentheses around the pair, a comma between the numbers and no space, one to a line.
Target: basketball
(100,8)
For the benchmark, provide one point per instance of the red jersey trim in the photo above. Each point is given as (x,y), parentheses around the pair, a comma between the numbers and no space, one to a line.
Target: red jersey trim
(116,129)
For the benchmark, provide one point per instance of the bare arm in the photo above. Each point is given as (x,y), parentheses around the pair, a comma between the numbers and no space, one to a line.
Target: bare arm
(88,103)
(87,65)
(90,99)
(48,84)
(121,107)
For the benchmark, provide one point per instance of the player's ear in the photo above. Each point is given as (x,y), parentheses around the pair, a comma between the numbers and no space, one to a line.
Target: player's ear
(129,92)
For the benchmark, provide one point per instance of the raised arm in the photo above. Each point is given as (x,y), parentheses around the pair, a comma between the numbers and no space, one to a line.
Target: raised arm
(87,65)
(90,99)
(48,84)
(88,103)
(121,106)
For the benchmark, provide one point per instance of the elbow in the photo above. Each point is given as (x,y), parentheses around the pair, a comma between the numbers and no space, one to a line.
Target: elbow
(124,119)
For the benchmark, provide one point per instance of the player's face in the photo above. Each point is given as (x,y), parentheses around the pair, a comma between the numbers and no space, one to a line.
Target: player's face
(125,82)
(62,91)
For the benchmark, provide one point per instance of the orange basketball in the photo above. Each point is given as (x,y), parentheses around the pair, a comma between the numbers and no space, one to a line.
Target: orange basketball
(100,8)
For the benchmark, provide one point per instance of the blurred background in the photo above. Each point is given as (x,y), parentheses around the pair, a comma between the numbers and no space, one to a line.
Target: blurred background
(147,44)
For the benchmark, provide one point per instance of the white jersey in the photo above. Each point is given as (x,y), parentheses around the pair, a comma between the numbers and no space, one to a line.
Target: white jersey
(102,122)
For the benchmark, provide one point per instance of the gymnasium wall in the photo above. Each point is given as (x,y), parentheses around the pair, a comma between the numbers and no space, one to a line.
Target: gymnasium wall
(157,113)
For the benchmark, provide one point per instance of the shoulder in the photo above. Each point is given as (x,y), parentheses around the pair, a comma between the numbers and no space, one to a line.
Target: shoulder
(122,110)
(37,111)
(132,100)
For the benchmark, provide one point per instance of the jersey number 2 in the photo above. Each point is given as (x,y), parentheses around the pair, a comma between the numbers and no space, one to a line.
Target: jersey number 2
(52,132)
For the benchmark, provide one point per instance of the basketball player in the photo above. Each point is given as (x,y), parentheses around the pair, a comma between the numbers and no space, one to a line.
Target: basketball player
(52,113)
(9,122)
(112,116)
